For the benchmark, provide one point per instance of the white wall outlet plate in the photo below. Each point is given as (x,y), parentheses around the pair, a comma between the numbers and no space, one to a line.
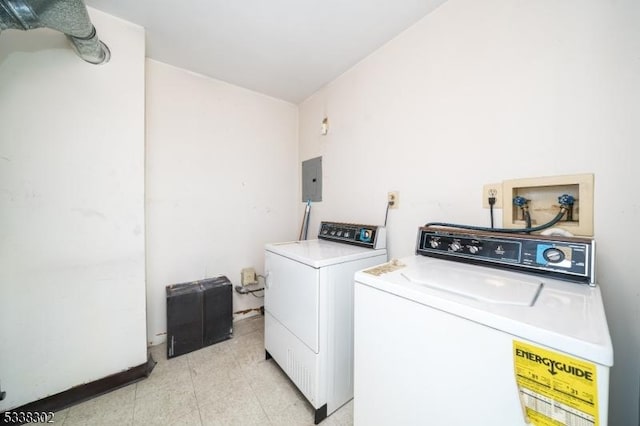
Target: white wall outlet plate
(248,276)
(492,190)
(393,198)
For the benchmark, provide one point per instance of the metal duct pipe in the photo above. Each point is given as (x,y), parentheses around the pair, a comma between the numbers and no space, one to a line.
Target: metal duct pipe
(67,16)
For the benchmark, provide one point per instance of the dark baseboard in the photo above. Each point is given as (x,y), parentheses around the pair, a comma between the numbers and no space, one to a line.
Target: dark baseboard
(86,391)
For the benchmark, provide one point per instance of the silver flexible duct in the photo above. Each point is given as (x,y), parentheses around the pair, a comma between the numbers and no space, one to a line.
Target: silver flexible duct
(67,16)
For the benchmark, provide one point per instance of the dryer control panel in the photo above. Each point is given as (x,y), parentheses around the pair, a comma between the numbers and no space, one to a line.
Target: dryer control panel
(362,235)
(564,258)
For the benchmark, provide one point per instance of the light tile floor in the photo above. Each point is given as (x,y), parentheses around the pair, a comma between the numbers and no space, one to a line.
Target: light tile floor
(229,383)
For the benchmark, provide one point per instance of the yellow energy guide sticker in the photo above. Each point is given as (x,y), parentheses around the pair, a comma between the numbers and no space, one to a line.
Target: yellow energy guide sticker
(555,389)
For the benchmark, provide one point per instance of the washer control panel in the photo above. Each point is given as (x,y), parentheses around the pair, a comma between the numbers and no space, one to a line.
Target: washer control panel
(362,235)
(570,259)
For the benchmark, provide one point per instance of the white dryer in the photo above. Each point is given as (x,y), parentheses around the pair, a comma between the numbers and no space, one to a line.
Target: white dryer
(443,339)
(309,308)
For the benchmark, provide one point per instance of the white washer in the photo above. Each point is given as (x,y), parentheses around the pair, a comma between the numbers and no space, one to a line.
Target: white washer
(309,309)
(444,343)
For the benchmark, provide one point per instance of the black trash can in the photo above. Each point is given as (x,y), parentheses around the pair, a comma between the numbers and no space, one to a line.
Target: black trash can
(199,314)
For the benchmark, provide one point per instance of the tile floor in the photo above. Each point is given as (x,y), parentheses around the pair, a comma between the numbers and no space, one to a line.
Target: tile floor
(229,383)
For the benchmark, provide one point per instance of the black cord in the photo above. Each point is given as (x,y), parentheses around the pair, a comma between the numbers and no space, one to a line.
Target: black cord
(491,200)
(504,230)
(259,289)
(491,214)
(386,215)
(259,297)
(243,290)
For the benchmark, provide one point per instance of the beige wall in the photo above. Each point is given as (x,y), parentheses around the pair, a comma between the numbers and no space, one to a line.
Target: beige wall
(477,92)
(480,92)
(72,278)
(221,182)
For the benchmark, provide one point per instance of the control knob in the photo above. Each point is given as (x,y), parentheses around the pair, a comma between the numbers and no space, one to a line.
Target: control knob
(553,255)
(455,246)
(474,249)
(434,243)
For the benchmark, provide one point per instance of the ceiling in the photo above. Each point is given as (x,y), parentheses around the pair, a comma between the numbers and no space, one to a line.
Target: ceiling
(287,49)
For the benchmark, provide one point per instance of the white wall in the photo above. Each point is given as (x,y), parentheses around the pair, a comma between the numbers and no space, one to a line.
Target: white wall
(222,181)
(72,278)
(480,92)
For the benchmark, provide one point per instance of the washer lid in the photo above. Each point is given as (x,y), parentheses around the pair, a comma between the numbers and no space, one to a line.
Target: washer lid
(319,253)
(563,316)
(479,285)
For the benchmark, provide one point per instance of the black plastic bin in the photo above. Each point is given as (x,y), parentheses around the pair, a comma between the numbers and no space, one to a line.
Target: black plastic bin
(199,314)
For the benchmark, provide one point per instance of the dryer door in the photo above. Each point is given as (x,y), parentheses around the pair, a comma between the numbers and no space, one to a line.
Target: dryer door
(292,296)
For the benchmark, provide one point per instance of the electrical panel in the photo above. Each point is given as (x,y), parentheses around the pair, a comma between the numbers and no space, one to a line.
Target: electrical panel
(312,180)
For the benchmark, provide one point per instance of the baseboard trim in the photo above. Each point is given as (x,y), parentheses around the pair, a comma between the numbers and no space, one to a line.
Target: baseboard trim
(81,393)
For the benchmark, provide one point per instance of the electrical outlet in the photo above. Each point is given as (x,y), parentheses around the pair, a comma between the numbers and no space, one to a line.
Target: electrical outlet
(248,276)
(393,198)
(492,190)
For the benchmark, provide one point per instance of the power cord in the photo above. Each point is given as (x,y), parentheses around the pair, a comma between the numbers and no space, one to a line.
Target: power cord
(492,202)
(244,290)
(259,296)
(386,214)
